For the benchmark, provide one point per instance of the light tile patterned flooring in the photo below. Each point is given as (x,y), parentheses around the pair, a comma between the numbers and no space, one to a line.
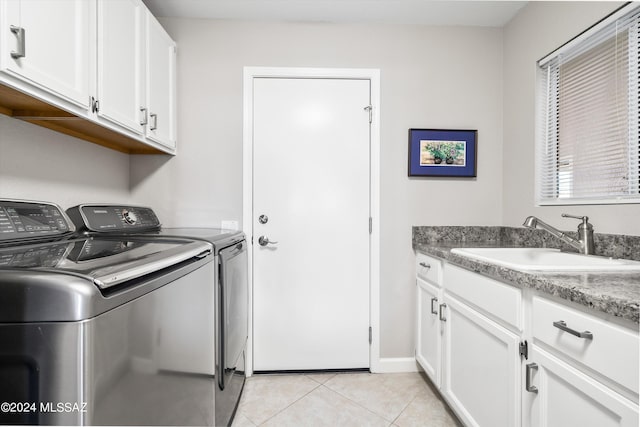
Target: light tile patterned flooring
(343,399)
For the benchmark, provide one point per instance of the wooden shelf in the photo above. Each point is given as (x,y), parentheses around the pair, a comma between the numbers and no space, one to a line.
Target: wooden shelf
(18,105)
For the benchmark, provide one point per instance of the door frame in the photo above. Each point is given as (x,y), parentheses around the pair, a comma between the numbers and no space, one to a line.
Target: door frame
(373,75)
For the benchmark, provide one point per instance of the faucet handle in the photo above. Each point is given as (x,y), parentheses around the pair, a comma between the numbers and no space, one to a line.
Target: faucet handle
(584,219)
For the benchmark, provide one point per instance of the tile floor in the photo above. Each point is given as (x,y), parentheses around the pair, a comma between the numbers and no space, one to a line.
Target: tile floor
(343,399)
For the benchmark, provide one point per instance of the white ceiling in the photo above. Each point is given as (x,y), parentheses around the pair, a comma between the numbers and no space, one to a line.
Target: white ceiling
(421,12)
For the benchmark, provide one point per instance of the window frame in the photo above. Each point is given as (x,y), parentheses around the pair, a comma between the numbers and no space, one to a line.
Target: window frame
(542,144)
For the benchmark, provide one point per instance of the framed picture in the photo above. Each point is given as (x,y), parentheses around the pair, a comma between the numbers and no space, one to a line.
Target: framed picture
(443,152)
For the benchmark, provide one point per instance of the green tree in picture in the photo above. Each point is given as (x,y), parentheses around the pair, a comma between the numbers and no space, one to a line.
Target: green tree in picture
(448,151)
(436,152)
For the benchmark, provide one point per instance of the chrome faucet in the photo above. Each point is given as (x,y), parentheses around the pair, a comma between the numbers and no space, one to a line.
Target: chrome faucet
(584,243)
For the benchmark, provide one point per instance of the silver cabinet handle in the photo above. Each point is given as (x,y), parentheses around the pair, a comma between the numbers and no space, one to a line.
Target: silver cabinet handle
(264,241)
(442,307)
(143,116)
(561,324)
(20,35)
(154,118)
(434,311)
(425,265)
(94,105)
(530,368)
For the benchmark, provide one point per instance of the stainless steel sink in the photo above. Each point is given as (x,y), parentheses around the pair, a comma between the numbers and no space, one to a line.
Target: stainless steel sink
(546,259)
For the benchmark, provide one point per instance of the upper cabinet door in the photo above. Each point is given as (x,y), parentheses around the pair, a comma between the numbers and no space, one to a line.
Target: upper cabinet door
(48,43)
(161,84)
(120,62)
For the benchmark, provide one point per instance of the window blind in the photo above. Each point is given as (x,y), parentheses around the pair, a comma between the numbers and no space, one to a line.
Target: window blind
(587,150)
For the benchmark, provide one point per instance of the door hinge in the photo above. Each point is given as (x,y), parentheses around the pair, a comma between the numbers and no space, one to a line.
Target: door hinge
(370,225)
(524,349)
(369,108)
(370,335)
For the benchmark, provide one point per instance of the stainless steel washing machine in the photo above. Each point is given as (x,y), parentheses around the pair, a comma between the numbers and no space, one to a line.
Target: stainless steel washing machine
(106,328)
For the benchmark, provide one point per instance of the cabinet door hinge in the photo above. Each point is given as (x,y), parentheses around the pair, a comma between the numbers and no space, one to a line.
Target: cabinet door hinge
(370,335)
(370,225)
(369,108)
(524,349)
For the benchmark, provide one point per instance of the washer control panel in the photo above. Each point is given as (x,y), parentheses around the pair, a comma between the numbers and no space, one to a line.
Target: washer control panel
(26,220)
(113,218)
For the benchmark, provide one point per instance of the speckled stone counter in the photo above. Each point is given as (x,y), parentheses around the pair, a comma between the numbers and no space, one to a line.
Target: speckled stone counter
(615,293)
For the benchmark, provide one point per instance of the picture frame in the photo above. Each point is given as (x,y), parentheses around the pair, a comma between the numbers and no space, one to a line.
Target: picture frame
(443,152)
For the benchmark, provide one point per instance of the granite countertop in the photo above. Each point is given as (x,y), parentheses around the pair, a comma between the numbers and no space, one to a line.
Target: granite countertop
(615,293)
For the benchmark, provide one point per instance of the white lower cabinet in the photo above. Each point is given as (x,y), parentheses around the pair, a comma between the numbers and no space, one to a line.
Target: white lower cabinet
(429,330)
(560,395)
(481,373)
(502,357)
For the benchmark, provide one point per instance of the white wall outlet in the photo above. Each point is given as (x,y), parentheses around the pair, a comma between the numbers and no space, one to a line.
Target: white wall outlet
(229,224)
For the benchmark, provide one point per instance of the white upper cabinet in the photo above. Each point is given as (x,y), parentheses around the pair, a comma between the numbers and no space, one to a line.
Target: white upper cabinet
(48,43)
(161,84)
(107,63)
(120,84)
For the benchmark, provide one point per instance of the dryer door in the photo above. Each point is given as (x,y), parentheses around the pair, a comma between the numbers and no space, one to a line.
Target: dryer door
(232,327)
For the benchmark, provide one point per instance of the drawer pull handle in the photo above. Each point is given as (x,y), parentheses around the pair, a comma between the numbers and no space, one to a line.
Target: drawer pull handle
(561,324)
(442,307)
(530,368)
(425,265)
(434,311)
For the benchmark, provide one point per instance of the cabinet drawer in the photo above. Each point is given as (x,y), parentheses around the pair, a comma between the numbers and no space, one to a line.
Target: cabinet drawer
(497,300)
(612,350)
(428,268)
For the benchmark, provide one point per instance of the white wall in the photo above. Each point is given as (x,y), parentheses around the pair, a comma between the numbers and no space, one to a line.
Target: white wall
(438,77)
(40,164)
(537,30)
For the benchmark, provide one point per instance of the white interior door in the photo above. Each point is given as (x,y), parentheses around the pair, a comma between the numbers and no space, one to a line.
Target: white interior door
(311,160)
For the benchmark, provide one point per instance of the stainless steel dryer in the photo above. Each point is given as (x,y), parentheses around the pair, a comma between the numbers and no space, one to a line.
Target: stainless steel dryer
(103,329)
(231,291)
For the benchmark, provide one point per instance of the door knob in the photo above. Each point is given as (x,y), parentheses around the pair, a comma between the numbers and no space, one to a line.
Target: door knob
(264,241)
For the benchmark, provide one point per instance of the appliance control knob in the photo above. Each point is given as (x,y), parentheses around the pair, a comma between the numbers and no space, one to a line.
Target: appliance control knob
(129,217)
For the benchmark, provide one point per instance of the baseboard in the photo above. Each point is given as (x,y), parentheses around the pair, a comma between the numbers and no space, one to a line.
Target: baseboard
(395,364)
